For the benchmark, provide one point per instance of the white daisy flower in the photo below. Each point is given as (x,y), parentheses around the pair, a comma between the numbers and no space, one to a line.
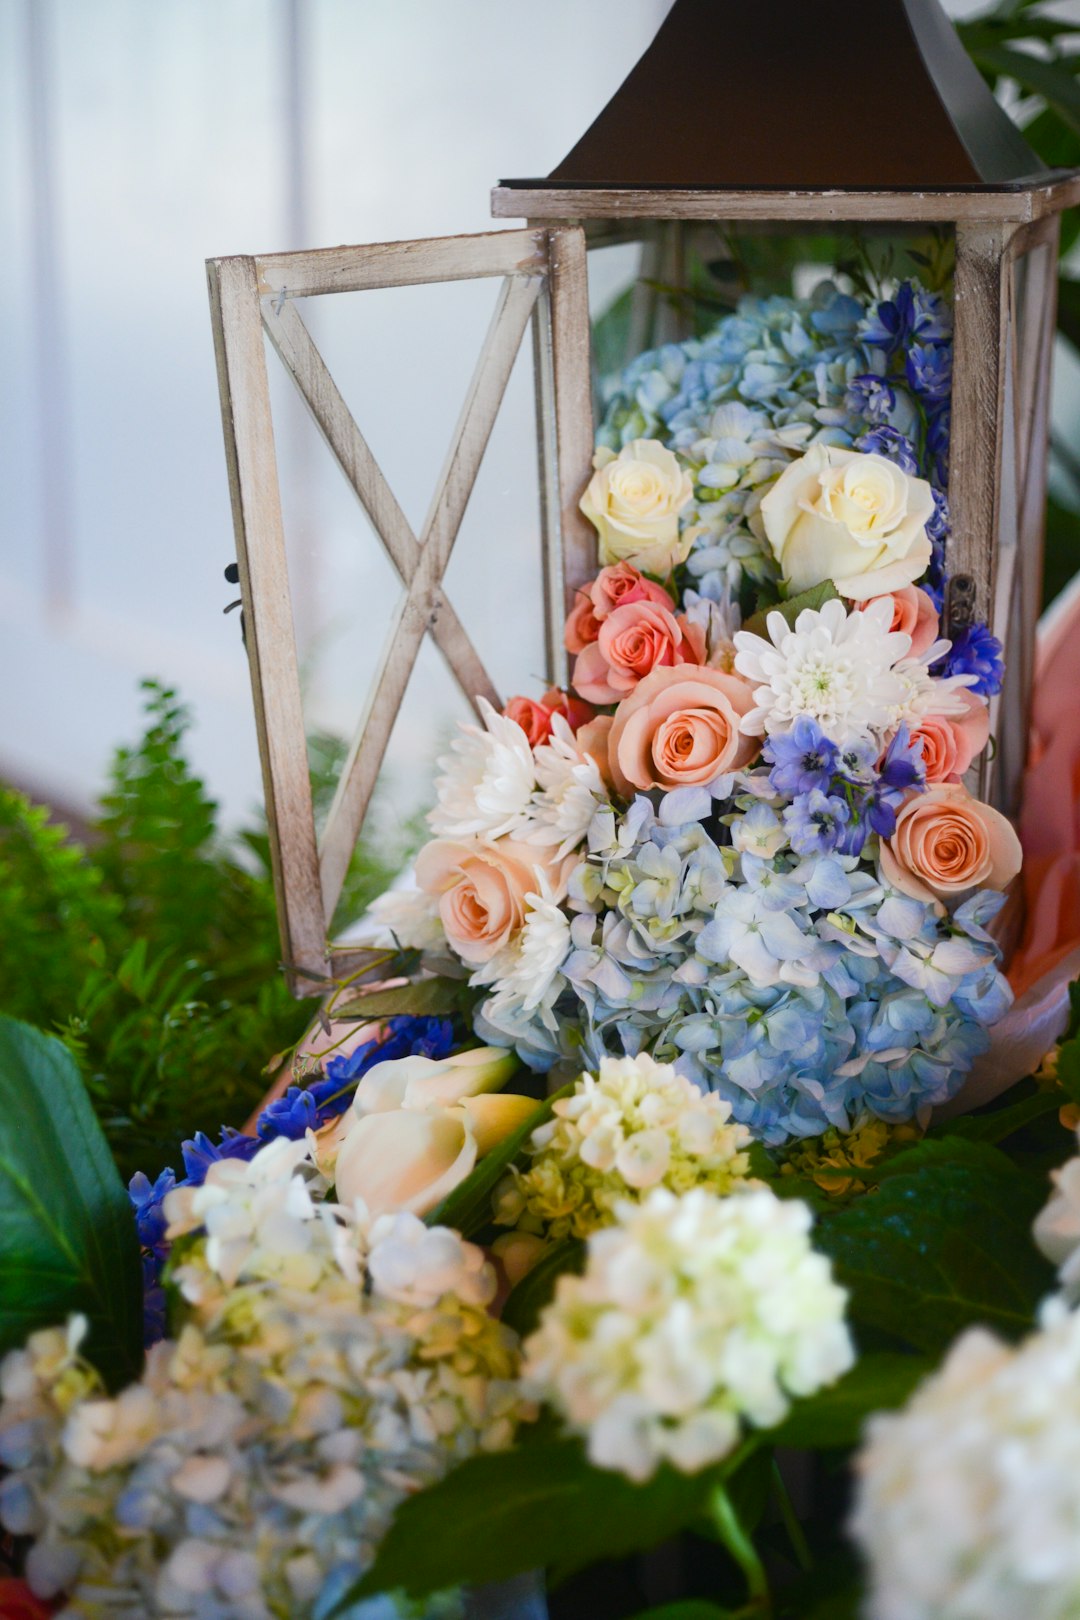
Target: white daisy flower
(487,782)
(835,666)
(571,791)
(525,973)
(925,693)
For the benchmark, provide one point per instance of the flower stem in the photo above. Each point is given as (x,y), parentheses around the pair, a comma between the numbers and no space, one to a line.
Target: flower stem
(796,1535)
(739,1544)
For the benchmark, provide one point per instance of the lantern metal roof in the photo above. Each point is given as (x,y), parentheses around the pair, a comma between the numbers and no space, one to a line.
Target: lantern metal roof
(799,97)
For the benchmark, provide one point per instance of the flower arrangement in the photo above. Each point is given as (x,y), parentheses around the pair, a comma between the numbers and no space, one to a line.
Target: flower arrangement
(741,841)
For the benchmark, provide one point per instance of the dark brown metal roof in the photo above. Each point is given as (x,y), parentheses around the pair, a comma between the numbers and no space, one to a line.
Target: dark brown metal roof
(801,94)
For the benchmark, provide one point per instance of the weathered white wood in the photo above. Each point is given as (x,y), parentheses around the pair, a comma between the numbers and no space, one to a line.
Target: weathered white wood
(402,264)
(574,431)
(486,389)
(268,621)
(320,393)
(572,206)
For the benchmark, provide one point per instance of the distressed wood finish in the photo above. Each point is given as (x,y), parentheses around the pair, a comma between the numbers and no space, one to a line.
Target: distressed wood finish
(267,606)
(574,205)
(543,275)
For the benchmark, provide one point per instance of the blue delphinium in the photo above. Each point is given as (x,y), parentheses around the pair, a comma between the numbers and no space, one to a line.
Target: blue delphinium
(292,1115)
(975,651)
(870,397)
(405,1036)
(891,443)
(802,759)
(815,824)
(928,367)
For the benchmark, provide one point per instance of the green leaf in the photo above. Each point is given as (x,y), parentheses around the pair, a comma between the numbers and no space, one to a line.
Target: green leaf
(815,598)
(468,1207)
(536,1289)
(67,1229)
(833,1418)
(529,1508)
(426,998)
(942,1242)
(1055,83)
(999,1124)
(690,1609)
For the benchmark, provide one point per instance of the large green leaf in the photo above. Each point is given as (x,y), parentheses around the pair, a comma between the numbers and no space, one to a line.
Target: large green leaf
(468,1207)
(537,1288)
(1054,81)
(426,998)
(534,1507)
(815,598)
(833,1418)
(942,1242)
(67,1230)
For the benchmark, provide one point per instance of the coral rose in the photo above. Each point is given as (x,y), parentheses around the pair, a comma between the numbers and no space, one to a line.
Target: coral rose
(619,585)
(633,641)
(574,711)
(946,843)
(583,624)
(950,742)
(481,886)
(634,500)
(533,718)
(915,614)
(680,728)
(17,1602)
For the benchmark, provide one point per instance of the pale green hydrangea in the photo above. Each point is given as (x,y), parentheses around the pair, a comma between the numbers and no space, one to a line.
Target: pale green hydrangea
(695,1316)
(634,1125)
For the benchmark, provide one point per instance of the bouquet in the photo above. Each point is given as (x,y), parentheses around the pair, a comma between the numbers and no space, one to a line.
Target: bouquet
(626,1183)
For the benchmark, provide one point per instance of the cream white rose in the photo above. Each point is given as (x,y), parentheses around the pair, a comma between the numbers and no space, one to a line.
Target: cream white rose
(634,500)
(855,519)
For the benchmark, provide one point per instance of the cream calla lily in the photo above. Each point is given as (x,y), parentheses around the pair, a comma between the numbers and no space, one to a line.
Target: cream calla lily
(492,1119)
(465,1074)
(401,1159)
(385,1084)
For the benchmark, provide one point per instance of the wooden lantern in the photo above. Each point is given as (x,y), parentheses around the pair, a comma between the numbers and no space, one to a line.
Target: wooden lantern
(542,272)
(861,114)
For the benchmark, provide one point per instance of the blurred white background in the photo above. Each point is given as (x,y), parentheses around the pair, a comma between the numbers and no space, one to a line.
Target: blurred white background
(137,139)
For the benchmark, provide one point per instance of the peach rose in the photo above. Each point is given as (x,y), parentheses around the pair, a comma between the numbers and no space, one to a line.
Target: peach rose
(680,728)
(951,741)
(582,626)
(593,739)
(946,843)
(533,718)
(915,614)
(574,711)
(620,584)
(481,886)
(633,641)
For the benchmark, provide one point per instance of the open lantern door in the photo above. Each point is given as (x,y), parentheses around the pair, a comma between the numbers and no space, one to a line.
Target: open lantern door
(543,283)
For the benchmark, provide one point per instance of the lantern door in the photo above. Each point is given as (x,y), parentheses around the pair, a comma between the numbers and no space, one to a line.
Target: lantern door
(258,301)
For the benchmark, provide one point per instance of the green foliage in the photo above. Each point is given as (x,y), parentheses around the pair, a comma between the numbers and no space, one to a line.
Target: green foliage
(833,1418)
(67,1229)
(537,1288)
(153,949)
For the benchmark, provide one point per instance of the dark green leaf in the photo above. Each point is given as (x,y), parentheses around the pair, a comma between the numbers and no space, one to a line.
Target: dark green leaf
(426,998)
(997,1124)
(816,597)
(535,1290)
(833,1418)
(67,1229)
(942,1242)
(468,1207)
(690,1609)
(1056,84)
(530,1508)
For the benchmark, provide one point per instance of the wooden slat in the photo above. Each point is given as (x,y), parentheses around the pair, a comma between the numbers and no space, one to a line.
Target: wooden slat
(574,431)
(350,450)
(471,436)
(264,587)
(571,206)
(402,264)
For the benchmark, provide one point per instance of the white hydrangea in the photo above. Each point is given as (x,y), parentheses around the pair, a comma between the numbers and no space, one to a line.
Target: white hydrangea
(695,1315)
(834,666)
(571,791)
(488,780)
(1057,1228)
(968,1505)
(262,1454)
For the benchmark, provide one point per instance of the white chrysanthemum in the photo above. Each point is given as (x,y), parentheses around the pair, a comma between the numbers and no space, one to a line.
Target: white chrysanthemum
(571,791)
(695,1315)
(634,1125)
(969,1501)
(524,974)
(266,1450)
(1057,1228)
(923,693)
(835,666)
(488,780)
(405,916)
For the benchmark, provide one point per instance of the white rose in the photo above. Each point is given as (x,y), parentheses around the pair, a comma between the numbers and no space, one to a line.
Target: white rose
(634,499)
(855,519)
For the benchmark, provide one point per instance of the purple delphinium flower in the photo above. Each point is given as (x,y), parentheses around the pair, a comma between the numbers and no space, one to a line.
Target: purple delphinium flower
(147,1197)
(938,431)
(891,443)
(404,1037)
(975,651)
(937,524)
(802,759)
(902,768)
(155,1311)
(870,397)
(928,367)
(200,1153)
(815,822)
(292,1115)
